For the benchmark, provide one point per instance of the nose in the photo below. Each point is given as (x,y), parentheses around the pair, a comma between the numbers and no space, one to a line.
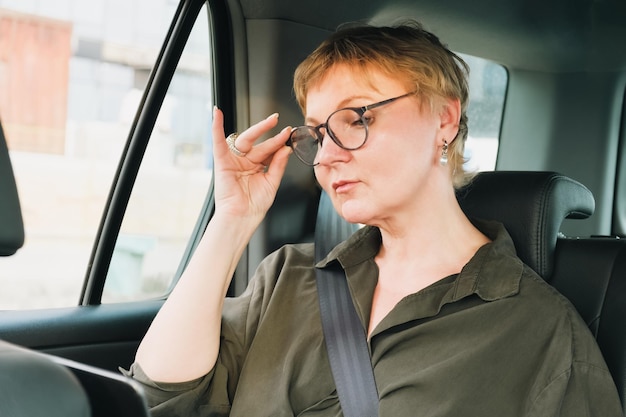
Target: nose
(329,152)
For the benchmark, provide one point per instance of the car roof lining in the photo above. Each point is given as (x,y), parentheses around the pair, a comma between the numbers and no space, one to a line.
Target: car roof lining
(541,35)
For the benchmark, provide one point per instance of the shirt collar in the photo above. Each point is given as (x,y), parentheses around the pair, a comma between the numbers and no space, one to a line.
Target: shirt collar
(494,272)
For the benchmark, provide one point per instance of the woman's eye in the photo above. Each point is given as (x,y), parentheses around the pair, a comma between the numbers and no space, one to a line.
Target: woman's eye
(364,121)
(357,123)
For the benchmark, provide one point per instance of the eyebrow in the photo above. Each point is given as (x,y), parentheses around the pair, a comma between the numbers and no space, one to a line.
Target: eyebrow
(310,121)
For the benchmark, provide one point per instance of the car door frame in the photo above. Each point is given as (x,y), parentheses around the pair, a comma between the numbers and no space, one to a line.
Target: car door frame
(107,335)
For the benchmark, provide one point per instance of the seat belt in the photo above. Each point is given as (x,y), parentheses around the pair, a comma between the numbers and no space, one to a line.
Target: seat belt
(344,335)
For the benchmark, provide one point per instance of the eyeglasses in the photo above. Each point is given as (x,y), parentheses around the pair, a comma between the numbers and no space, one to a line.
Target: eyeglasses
(347,127)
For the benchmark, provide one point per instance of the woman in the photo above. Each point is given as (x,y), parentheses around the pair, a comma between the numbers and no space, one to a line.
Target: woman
(456,324)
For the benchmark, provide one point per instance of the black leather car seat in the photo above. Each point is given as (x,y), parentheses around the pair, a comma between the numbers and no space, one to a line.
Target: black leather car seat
(32,385)
(591,273)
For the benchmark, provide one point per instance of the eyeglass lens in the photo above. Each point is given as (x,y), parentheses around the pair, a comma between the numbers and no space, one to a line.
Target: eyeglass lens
(346,127)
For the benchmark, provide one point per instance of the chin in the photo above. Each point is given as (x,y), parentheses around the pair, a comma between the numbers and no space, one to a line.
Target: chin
(352,212)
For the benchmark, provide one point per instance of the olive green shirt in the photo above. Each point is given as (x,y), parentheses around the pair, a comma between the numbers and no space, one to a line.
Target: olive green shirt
(493,341)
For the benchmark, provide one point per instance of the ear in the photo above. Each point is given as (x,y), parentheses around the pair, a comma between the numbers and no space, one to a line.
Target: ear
(449,116)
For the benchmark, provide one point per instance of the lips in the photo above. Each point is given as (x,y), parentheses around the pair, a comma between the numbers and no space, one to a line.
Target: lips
(343,186)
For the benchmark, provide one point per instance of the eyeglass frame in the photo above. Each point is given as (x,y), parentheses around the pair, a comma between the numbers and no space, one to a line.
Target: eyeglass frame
(320,137)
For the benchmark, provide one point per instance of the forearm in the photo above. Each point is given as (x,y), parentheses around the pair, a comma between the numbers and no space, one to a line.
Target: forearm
(183,341)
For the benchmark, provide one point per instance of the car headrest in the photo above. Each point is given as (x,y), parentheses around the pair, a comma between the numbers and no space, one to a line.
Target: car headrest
(33,385)
(532,207)
(11,224)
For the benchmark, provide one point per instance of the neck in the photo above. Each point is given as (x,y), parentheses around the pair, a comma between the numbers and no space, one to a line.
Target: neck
(436,233)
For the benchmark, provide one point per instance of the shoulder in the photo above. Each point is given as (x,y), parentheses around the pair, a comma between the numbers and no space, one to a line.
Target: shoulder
(283,274)
(289,263)
(554,311)
(288,257)
(577,377)
(546,300)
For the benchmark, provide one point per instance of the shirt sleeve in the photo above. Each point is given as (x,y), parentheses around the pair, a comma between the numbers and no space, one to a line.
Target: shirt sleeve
(586,390)
(177,399)
(212,394)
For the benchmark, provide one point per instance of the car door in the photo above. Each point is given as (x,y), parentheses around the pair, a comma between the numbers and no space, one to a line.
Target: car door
(159,197)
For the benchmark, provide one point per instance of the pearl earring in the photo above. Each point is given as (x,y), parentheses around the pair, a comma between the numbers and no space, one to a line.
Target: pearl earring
(443,160)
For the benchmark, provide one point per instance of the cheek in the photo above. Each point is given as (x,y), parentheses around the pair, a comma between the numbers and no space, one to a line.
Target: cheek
(407,148)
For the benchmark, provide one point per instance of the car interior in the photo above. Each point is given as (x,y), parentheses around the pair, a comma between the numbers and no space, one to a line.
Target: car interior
(558,186)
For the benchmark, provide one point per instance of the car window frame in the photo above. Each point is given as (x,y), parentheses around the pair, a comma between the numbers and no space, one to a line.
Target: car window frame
(143,124)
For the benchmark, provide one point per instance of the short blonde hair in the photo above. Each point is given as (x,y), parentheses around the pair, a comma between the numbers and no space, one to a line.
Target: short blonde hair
(407,52)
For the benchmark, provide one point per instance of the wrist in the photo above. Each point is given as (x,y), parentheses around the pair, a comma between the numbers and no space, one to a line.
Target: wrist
(233,226)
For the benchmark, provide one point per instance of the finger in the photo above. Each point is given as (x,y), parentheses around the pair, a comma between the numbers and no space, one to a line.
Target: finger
(245,140)
(220,148)
(276,168)
(265,151)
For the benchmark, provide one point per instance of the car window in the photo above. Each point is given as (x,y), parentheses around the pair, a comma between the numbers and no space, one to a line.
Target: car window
(488,82)
(172,183)
(71,79)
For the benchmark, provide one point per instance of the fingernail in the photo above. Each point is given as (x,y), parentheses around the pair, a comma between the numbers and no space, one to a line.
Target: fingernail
(272,116)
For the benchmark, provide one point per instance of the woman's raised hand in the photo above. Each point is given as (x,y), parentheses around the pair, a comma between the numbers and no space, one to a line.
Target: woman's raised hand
(183,341)
(246,184)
